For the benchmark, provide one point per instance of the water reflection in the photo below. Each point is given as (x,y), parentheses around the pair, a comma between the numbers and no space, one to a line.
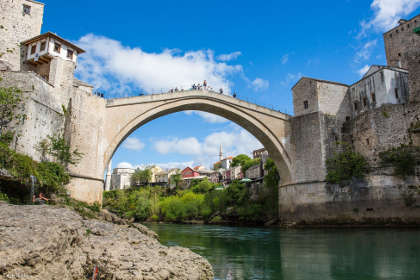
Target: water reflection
(259,253)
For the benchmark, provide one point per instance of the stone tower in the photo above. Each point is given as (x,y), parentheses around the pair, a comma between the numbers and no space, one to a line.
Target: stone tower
(400,40)
(19,21)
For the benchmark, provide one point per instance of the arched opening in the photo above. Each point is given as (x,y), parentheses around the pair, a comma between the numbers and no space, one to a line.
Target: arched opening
(124,118)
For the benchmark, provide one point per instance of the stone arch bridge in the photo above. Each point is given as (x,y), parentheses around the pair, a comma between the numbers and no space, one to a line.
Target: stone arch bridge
(97,131)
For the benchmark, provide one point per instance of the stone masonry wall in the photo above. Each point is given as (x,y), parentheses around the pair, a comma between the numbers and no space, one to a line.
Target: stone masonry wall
(305,90)
(16,27)
(413,59)
(399,40)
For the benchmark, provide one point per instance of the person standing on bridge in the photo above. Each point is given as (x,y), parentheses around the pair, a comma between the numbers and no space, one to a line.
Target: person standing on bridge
(221,91)
(205,84)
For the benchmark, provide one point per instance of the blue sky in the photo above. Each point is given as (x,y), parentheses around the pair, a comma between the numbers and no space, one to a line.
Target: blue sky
(258,49)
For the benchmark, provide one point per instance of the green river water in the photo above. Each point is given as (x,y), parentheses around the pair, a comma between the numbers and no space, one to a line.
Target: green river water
(313,254)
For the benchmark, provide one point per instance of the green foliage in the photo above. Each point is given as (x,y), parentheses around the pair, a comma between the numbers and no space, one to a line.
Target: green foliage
(345,165)
(10,101)
(51,176)
(385,114)
(129,203)
(61,151)
(4,197)
(7,137)
(175,179)
(244,161)
(271,180)
(402,158)
(189,206)
(141,177)
(204,186)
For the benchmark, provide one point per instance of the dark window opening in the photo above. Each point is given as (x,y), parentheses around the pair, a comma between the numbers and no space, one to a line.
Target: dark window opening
(306,104)
(396,93)
(43,46)
(355,106)
(399,54)
(365,101)
(367,141)
(26,9)
(33,49)
(347,118)
(70,54)
(390,35)
(373,97)
(57,47)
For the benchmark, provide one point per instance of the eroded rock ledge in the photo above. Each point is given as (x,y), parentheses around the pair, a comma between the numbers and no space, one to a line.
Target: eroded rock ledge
(44,242)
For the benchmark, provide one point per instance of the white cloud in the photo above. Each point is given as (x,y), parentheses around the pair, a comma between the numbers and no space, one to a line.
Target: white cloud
(363,70)
(229,56)
(365,52)
(186,146)
(206,152)
(208,117)
(387,13)
(132,143)
(124,165)
(285,59)
(290,79)
(260,84)
(119,70)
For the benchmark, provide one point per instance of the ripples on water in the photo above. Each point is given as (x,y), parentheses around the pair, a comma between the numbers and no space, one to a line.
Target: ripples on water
(322,254)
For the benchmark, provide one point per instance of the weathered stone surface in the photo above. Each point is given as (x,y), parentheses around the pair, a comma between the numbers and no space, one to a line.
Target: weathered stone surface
(43,242)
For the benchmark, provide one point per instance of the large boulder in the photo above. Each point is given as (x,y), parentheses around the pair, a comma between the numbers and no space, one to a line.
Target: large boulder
(45,242)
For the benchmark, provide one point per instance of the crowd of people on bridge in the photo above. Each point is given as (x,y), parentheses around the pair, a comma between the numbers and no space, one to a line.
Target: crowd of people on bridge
(199,86)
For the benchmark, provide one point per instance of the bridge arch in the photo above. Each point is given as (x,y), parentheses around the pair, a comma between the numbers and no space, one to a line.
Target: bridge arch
(271,128)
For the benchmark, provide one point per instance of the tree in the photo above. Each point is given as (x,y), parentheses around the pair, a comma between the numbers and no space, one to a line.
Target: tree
(141,177)
(175,179)
(239,160)
(271,180)
(57,147)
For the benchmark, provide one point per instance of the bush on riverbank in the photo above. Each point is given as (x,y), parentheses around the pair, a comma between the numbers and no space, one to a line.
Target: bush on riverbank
(233,204)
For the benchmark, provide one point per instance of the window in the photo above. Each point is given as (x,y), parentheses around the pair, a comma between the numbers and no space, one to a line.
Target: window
(57,47)
(390,35)
(26,9)
(70,54)
(43,46)
(355,106)
(365,101)
(399,54)
(373,97)
(33,49)
(367,141)
(305,104)
(347,118)
(396,93)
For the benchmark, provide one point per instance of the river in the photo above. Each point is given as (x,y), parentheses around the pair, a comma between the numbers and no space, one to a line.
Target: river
(314,254)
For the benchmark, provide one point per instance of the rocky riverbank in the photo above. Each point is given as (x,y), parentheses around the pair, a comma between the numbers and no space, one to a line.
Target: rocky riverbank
(46,242)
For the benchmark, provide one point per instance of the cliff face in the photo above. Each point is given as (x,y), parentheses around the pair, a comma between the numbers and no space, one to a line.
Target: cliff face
(43,242)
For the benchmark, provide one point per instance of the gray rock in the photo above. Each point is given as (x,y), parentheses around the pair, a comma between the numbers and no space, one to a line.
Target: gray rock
(45,242)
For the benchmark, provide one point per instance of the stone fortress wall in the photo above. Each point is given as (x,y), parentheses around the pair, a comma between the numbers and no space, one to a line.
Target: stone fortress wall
(373,115)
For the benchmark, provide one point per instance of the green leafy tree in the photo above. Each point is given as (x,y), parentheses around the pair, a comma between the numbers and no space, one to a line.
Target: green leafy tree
(141,177)
(176,180)
(345,165)
(204,186)
(244,161)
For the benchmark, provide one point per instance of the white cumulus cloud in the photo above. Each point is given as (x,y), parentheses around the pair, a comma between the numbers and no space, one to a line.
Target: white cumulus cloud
(365,52)
(259,84)
(229,56)
(285,59)
(234,142)
(119,70)
(208,117)
(124,165)
(132,143)
(387,13)
(363,70)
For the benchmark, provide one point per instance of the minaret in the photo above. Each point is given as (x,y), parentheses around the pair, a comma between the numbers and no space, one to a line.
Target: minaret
(108,177)
(220,153)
